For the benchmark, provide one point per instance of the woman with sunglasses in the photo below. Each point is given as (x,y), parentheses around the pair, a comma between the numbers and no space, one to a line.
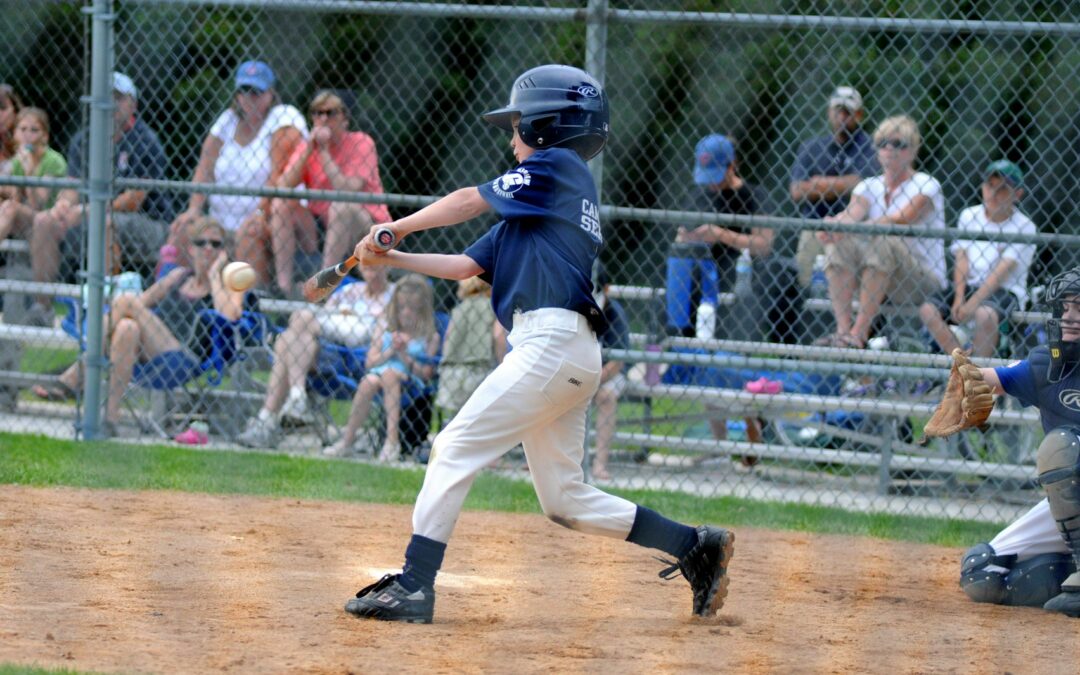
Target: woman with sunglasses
(163,318)
(904,269)
(333,159)
(247,146)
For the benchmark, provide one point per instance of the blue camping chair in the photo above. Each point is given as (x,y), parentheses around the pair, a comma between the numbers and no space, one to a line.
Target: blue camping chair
(338,372)
(230,343)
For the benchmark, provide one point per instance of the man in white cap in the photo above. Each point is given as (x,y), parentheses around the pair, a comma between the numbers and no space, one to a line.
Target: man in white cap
(137,217)
(828,167)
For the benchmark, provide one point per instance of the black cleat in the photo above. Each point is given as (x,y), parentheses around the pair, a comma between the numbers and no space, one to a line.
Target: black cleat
(1066,602)
(387,600)
(705,567)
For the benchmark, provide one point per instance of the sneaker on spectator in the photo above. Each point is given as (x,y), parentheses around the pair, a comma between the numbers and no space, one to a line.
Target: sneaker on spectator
(258,434)
(295,408)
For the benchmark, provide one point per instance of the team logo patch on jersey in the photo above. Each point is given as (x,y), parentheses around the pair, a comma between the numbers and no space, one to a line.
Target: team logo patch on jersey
(1070,398)
(507,184)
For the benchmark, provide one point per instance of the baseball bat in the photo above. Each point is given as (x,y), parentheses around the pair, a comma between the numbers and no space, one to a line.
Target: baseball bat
(318,287)
(384,239)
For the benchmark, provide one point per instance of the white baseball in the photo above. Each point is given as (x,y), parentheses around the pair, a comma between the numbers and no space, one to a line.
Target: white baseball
(238,276)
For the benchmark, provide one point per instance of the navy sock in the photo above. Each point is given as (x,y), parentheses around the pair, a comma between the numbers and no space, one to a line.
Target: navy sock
(423,558)
(652,530)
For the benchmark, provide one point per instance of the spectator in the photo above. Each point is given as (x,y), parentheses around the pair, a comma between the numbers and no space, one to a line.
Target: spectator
(715,172)
(139,334)
(828,168)
(248,146)
(10,105)
(137,218)
(475,343)
(904,269)
(349,318)
(989,278)
(613,382)
(35,158)
(401,354)
(333,159)
(720,189)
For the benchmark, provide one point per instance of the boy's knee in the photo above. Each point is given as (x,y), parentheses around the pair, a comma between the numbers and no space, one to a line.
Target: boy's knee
(928,313)
(986,317)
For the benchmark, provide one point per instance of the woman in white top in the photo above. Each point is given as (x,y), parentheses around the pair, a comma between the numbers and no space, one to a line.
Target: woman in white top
(247,146)
(904,269)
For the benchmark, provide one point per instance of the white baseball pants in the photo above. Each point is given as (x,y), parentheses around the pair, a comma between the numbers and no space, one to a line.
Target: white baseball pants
(538,397)
(1032,534)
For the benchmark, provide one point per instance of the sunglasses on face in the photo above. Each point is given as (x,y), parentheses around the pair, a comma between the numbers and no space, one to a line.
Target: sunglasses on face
(203,243)
(325,113)
(248,90)
(894,143)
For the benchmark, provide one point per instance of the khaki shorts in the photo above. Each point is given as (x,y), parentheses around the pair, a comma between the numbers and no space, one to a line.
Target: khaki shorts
(909,282)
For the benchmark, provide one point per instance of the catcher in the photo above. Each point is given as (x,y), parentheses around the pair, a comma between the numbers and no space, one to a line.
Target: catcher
(1033,562)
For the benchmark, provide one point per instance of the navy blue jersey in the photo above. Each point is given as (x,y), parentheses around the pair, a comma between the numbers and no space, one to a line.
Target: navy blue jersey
(541,254)
(823,156)
(1058,403)
(138,154)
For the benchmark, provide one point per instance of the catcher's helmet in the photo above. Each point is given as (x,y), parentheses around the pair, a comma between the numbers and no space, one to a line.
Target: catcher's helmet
(560,106)
(1062,287)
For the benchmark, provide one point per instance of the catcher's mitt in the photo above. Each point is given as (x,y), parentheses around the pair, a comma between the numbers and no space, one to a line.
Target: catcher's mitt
(967,401)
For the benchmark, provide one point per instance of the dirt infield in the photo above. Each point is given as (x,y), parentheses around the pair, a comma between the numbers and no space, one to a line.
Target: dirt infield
(169,582)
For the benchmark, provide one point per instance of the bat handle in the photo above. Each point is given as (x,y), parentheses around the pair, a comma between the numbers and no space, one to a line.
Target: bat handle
(344,266)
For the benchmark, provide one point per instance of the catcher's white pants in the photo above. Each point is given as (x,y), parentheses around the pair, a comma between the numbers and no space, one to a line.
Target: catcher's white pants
(1032,534)
(538,396)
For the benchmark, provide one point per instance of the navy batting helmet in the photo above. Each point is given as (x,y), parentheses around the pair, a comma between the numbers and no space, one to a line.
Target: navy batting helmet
(1063,287)
(560,106)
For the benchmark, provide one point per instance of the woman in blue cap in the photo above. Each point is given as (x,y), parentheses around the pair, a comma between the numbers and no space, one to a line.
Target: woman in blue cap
(248,146)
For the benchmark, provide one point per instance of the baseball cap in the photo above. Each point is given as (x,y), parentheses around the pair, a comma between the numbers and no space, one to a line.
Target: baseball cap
(122,84)
(1007,170)
(254,74)
(712,156)
(846,97)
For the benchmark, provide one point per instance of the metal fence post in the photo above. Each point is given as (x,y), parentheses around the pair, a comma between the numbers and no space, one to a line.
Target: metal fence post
(98,193)
(596,64)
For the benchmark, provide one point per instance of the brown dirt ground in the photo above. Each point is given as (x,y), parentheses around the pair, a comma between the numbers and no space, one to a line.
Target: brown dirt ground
(169,582)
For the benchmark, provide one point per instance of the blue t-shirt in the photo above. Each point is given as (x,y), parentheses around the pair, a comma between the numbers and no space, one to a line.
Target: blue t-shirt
(138,154)
(541,254)
(1058,403)
(823,156)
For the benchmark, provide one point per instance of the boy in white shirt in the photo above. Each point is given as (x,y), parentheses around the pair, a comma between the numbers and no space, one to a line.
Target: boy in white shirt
(989,277)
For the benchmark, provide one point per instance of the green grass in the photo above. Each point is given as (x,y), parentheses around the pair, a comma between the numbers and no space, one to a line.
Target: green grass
(40,461)
(42,360)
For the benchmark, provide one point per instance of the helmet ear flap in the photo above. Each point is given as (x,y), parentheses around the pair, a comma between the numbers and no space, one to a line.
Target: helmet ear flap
(532,129)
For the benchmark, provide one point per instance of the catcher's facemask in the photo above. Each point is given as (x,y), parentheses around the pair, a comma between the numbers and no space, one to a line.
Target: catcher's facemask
(1064,289)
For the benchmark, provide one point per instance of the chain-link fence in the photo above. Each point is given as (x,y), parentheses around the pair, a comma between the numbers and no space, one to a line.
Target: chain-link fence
(792,192)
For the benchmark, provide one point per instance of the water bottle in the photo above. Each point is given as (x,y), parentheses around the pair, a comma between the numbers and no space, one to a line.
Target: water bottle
(166,261)
(652,368)
(819,283)
(706,321)
(743,273)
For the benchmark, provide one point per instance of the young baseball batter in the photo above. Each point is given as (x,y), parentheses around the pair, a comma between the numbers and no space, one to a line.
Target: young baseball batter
(538,261)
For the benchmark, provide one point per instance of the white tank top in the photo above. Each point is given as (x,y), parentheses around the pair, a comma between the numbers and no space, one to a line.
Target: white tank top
(246,165)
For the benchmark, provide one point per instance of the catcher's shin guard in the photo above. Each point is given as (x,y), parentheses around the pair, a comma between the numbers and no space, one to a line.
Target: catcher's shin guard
(1058,464)
(986,576)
